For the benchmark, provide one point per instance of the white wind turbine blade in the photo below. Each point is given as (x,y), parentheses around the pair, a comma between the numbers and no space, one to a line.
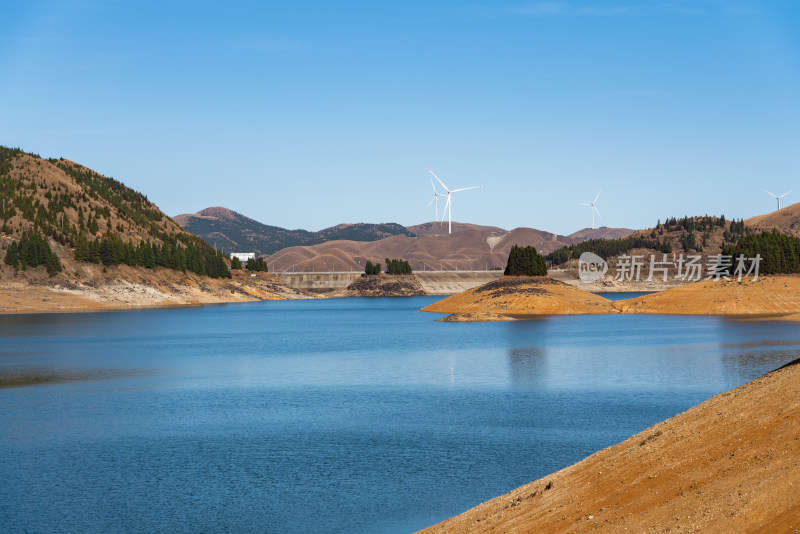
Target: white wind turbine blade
(786,193)
(770,194)
(431,201)
(435,192)
(598,196)
(597,210)
(466,188)
(437,178)
(584,204)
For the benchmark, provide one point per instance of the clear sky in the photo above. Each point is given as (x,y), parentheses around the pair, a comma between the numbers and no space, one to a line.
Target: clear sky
(306,114)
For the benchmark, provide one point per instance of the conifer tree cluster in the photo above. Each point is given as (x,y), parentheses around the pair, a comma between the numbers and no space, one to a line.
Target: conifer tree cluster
(32,250)
(525,261)
(236,263)
(111,250)
(606,248)
(372,268)
(780,253)
(257,265)
(705,223)
(396,266)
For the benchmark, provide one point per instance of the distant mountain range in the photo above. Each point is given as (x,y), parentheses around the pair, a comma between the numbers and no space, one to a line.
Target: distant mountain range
(426,246)
(233,232)
(469,247)
(347,247)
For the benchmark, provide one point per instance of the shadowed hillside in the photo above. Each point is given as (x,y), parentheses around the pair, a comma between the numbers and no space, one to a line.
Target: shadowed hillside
(233,232)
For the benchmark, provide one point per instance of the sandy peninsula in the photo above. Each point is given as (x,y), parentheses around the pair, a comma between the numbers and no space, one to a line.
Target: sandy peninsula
(768,295)
(510,297)
(730,464)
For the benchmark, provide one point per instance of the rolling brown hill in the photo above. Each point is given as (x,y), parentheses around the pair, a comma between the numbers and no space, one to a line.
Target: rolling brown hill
(602,233)
(786,220)
(469,247)
(440,228)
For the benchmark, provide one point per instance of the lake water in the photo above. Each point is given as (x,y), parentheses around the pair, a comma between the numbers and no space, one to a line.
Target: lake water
(342,415)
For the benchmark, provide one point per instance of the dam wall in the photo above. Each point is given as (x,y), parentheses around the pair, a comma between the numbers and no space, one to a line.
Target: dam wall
(433,282)
(334,280)
(453,282)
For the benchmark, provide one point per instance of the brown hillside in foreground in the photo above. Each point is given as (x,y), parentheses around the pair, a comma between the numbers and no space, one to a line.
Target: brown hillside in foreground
(40,182)
(730,464)
(523,296)
(766,296)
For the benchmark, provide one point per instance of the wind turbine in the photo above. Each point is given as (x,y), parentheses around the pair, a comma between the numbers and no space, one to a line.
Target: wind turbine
(435,198)
(778,198)
(448,207)
(594,207)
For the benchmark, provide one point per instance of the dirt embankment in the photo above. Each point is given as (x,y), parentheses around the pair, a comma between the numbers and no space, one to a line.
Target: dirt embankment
(88,288)
(519,296)
(769,295)
(730,464)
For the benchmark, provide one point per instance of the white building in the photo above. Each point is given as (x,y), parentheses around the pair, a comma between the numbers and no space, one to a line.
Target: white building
(243,256)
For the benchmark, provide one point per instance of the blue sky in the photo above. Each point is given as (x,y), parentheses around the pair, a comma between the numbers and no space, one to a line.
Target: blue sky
(308,114)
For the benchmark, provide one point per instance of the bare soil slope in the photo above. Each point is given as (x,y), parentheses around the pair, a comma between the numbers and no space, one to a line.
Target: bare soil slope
(730,464)
(769,295)
(510,296)
(786,220)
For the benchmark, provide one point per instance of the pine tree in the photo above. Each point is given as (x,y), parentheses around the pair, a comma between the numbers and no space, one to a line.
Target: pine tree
(525,262)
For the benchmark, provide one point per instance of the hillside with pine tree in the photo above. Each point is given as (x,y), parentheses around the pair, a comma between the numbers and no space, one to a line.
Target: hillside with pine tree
(54,211)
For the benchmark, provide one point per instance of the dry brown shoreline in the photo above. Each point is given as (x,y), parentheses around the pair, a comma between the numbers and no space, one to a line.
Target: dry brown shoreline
(93,289)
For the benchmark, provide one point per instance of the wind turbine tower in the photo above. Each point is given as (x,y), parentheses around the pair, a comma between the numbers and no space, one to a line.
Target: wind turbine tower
(435,199)
(448,207)
(778,198)
(593,207)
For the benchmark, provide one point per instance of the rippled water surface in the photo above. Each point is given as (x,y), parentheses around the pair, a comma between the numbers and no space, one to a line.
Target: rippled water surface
(342,415)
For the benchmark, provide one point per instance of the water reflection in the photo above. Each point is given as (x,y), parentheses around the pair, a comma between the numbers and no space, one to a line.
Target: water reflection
(748,365)
(30,376)
(527,367)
